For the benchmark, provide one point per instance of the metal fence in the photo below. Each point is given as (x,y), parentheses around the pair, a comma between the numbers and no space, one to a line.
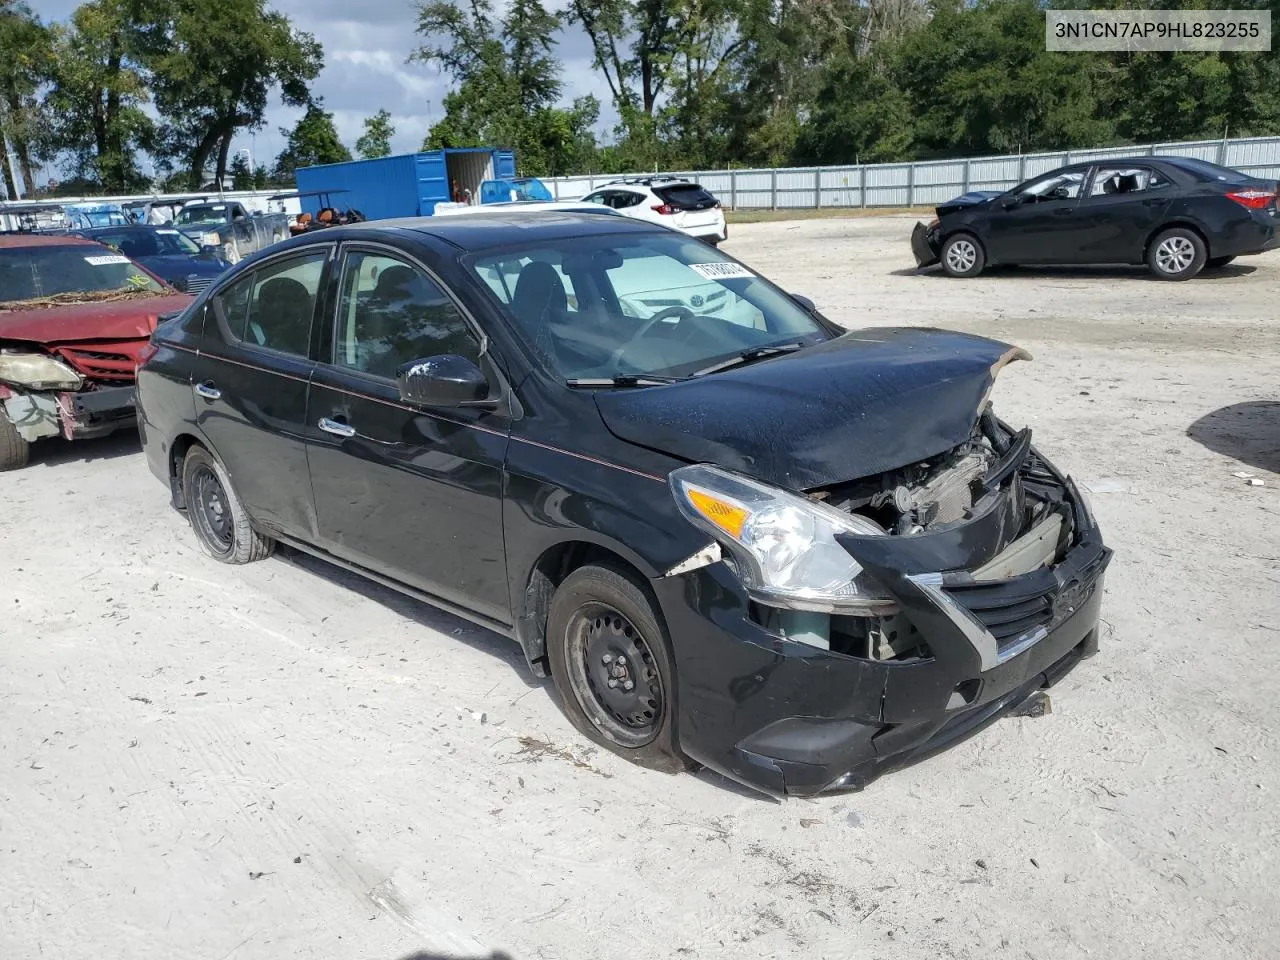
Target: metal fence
(925,183)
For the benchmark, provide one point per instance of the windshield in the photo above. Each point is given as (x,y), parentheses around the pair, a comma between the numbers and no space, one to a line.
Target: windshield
(659,304)
(203,213)
(34,275)
(148,243)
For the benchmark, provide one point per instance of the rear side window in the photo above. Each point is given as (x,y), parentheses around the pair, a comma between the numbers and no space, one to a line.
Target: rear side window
(273,307)
(686,196)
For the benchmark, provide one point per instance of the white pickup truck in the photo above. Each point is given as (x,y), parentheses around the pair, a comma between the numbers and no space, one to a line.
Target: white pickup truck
(229,227)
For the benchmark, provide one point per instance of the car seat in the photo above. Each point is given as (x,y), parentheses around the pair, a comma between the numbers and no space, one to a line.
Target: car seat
(282,316)
(538,300)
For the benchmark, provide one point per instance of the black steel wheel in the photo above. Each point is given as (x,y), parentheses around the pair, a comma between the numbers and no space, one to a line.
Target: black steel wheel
(612,666)
(219,519)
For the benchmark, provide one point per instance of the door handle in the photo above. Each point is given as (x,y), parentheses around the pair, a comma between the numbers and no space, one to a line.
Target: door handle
(337,428)
(1063,211)
(208,390)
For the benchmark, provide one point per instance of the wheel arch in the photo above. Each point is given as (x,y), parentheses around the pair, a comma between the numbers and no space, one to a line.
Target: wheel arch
(549,570)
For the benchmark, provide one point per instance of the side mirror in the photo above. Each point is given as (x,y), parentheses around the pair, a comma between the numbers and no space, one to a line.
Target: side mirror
(443,381)
(1010,202)
(210,249)
(805,303)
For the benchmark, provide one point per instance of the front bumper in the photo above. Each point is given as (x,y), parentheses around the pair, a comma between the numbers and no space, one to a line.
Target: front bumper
(790,719)
(96,413)
(924,244)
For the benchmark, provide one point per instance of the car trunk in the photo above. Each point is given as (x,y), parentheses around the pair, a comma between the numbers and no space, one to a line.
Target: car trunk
(694,207)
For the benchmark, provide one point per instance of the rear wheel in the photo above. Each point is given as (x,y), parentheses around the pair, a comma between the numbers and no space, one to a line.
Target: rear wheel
(612,666)
(962,256)
(1176,254)
(219,519)
(1216,262)
(14,450)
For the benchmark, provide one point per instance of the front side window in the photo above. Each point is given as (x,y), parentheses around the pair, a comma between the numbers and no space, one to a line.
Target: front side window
(1054,186)
(391,313)
(273,306)
(659,304)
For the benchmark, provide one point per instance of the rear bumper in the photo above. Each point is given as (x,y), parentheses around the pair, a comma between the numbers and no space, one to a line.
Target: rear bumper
(794,720)
(924,244)
(1258,234)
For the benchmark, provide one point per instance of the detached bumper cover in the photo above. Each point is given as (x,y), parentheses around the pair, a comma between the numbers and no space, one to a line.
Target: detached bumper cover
(791,719)
(924,245)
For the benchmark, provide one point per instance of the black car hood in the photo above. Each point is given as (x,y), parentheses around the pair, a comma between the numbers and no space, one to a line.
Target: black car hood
(866,402)
(970,199)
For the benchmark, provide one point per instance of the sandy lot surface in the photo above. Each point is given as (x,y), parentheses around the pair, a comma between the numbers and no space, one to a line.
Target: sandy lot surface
(273,761)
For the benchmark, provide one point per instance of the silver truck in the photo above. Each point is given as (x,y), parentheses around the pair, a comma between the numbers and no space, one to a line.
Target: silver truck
(232,231)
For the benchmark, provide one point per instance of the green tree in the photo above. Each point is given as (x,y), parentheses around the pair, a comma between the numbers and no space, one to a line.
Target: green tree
(376,140)
(214,64)
(507,81)
(313,141)
(241,175)
(25,65)
(97,97)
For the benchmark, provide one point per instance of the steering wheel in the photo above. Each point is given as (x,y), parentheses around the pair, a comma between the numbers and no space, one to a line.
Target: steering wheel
(684,313)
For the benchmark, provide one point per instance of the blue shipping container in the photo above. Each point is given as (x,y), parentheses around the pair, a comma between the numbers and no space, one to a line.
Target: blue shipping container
(407,185)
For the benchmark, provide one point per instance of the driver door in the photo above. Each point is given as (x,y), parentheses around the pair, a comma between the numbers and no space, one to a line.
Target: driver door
(1042,225)
(411,492)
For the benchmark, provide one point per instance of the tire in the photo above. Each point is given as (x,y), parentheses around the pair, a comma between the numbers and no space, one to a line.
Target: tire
(1176,254)
(1216,262)
(218,518)
(14,450)
(962,256)
(603,628)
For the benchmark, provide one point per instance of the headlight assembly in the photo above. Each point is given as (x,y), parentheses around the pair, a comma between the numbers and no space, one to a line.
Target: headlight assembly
(36,371)
(783,545)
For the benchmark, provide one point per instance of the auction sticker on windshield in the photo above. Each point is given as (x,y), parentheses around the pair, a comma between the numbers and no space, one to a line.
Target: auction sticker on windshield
(104,260)
(721,271)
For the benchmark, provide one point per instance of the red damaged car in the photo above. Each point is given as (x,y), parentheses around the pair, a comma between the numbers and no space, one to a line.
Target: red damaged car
(75,318)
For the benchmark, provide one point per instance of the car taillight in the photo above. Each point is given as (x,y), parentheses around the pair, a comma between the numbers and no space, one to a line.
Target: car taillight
(1253,199)
(665,209)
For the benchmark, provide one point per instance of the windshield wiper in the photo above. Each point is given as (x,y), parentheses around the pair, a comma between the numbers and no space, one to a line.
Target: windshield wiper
(749,356)
(625,380)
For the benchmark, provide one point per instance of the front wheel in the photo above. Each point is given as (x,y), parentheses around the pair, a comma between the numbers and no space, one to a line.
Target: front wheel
(962,256)
(1216,262)
(1176,254)
(14,449)
(219,519)
(612,666)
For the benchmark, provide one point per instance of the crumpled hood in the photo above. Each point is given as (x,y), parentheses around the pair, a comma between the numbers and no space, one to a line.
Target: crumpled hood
(970,199)
(867,402)
(81,322)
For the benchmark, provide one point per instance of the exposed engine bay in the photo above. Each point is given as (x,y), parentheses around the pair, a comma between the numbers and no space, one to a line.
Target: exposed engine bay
(947,492)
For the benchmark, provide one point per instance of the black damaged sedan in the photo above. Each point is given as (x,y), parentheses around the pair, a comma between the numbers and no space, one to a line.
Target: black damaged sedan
(1177,215)
(732,533)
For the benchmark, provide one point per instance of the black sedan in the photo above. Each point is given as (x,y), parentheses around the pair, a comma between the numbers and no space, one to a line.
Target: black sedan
(166,252)
(1176,215)
(732,533)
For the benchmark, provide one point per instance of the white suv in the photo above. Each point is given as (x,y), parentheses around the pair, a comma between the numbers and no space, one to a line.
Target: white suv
(670,201)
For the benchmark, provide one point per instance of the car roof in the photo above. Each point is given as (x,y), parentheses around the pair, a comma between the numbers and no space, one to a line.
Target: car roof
(482,231)
(9,241)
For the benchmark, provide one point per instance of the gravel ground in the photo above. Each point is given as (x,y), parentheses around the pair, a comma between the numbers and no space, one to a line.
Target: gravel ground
(280,760)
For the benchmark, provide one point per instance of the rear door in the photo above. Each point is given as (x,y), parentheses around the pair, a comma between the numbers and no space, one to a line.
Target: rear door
(250,382)
(1040,227)
(1123,204)
(409,492)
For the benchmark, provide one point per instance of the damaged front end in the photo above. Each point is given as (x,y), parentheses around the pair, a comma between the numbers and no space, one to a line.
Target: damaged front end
(926,244)
(53,394)
(904,610)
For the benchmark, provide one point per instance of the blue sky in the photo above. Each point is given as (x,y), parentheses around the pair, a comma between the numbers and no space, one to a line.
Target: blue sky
(365,69)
